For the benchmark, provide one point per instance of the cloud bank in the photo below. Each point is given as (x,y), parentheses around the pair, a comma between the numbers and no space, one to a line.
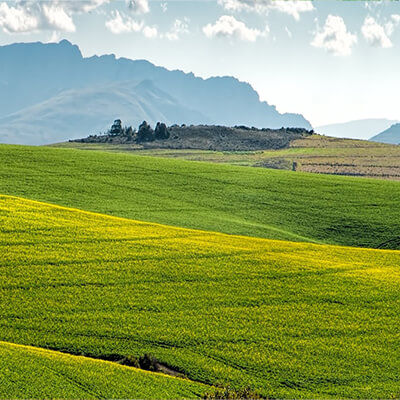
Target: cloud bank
(28,16)
(290,7)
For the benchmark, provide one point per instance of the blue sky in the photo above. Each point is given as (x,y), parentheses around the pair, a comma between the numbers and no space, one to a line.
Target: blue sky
(332,61)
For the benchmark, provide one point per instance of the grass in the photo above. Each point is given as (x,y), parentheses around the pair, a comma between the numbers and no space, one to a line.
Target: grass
(246,201)
(317,154)
(292,320)
(27,372)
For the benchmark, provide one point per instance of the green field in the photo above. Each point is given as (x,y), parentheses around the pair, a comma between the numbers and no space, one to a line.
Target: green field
(294,320)
(28,372)
(248,201)
(316,153)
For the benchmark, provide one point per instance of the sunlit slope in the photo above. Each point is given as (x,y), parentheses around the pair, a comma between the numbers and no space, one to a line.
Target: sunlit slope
(293,319)
(248,201)
(27,372)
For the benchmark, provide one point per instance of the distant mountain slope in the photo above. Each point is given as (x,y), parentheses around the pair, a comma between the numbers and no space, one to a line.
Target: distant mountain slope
(391,135)
(360,129)
(77,112)
(54,69)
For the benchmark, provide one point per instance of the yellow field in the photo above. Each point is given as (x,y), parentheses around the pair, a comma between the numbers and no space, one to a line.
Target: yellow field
(290,319)
(29,372)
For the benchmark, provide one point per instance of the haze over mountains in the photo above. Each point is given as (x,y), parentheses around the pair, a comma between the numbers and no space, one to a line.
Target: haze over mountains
(50,93)
(390,135)
(359,129)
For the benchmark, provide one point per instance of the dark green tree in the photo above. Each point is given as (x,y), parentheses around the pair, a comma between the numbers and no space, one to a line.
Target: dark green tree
(161,131)
(116,128)
(145,133)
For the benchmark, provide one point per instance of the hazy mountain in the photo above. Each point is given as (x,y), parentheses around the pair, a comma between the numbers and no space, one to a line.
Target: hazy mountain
(360,129)
(64,117)
(391,135)
(52,87)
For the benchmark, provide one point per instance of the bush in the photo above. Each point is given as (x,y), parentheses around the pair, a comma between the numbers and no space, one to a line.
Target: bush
(131,361)
(148,362)
(145,132)
(226,392)
(161,131)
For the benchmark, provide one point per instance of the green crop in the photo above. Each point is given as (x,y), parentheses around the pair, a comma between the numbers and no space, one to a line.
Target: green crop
(27,373)
(293,320)
(240,200)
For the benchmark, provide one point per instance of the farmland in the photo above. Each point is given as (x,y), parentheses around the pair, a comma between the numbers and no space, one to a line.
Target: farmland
(58,375)
(294,320)
(316,153)
(238,200)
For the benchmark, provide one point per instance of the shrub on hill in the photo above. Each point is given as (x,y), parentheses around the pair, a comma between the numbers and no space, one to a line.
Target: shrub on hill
(229,393)
(145,133)
(205,137)
(161,131)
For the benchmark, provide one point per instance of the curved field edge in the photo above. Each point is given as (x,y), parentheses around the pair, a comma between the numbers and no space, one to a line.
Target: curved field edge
(236,200)
(292,320)
(27,372)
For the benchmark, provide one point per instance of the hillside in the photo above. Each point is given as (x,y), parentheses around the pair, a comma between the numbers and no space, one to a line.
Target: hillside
(59,86)
(247,201)
(390,135)
(293,320)
(76,377)
(359,129)
(310,153)
(210,137)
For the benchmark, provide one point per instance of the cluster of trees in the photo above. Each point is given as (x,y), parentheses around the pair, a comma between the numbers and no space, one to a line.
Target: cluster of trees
(145,132)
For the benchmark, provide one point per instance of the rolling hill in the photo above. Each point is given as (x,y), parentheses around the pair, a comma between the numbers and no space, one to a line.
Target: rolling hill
(58,87)
(278,149)
(293,320)
(247,201)
(29,372)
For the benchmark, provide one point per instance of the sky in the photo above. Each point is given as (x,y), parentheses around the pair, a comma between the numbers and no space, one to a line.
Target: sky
(332,61)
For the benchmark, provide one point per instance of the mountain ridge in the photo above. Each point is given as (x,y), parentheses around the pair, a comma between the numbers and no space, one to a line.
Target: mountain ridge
(390,135)
(59,67)
(355,129)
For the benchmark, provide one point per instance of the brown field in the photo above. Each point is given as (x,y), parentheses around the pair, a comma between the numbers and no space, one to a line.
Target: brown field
(316,153)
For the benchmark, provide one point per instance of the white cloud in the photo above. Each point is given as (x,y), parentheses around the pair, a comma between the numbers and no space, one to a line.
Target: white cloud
(375,34)
(17,19)
(57,18)
(334,37)
(395,18)
(150,32)
(124,24)
(228,26)
(288,31)
(290,7)
(29,16)
(164,7)
(139,6)
(180,27)
(119,24)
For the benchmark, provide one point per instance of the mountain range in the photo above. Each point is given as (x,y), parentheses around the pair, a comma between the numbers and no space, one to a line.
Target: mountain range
(50,93)
(359,129)
(390,135)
